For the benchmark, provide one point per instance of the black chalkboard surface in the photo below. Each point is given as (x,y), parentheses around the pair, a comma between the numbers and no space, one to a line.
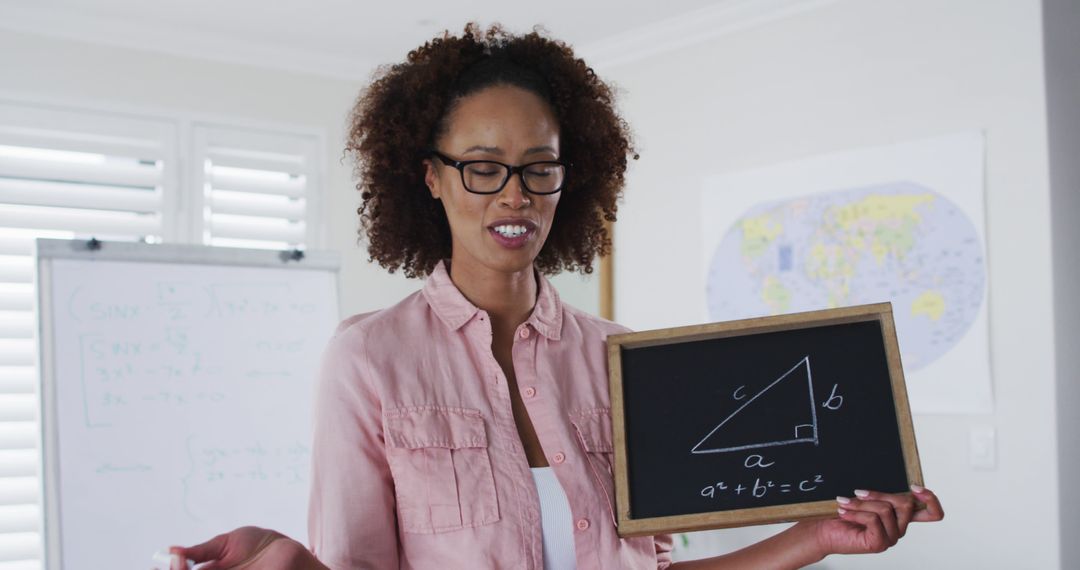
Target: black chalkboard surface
(756,421)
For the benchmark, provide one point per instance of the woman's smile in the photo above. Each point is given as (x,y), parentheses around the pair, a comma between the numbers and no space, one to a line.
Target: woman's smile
(513,233)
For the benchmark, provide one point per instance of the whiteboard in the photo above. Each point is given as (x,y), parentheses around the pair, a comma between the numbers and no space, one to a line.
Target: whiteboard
(178,386)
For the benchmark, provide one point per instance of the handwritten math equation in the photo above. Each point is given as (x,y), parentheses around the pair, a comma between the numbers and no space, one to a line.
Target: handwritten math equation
(253,462)
(179,301)
(223,472)
(761,488)
(183,346)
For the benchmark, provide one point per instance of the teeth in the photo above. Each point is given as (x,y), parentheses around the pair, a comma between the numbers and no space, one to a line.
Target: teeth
(510,230)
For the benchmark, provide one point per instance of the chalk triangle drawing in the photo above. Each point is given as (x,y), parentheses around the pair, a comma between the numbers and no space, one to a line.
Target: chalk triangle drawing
(782,413)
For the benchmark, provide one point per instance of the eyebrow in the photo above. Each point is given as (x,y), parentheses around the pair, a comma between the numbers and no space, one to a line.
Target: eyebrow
(499,151)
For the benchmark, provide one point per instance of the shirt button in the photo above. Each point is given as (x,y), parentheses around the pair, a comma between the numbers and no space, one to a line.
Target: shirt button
(583,524)
(524,332)
(558,458)
(530,392)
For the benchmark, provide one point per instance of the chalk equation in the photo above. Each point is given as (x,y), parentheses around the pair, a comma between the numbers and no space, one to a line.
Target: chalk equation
(762,488)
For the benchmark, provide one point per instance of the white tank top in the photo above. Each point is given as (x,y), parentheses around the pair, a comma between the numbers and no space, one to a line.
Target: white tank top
(556,521)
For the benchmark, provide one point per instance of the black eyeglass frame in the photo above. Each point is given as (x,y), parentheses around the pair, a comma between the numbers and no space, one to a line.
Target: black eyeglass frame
(510,170)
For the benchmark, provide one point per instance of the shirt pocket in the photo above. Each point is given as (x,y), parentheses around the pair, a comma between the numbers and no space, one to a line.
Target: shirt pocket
(442,474)
(593,427)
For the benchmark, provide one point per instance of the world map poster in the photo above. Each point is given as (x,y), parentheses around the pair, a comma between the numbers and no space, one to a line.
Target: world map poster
(901,224)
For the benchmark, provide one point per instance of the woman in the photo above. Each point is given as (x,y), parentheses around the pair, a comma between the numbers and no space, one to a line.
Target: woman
(458,428)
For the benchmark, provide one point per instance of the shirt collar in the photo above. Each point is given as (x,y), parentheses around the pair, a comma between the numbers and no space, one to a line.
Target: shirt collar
(455,310)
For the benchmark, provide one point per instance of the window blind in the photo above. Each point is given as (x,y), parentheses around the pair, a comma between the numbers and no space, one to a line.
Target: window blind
(63,174)
(256,187)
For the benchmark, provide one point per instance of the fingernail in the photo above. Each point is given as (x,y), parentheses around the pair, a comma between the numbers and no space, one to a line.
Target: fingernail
(861,493)
(843,500)
(841,511)
(917,489)
(178,562)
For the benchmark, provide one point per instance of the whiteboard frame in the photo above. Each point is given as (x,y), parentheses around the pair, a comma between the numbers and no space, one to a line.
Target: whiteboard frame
(47,250)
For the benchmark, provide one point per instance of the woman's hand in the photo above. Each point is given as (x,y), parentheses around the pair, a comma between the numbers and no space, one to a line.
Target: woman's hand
(873,522)
(252,548)
(870,522)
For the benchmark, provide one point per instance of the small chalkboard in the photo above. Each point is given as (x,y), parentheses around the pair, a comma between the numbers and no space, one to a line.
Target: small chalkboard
(759,420)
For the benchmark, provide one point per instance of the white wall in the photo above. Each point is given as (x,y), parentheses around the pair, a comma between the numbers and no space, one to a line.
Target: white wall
(867,73)
(1062,24)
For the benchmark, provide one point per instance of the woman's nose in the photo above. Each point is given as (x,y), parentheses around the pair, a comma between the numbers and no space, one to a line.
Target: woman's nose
(513,195)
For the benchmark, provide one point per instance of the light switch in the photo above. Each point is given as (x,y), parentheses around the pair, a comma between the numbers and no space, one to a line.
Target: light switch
(984,447)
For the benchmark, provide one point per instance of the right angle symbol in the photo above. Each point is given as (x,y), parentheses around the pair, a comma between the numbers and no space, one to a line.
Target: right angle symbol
(785,414)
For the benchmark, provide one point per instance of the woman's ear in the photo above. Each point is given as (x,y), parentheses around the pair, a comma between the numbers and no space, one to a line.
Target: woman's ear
(431,178)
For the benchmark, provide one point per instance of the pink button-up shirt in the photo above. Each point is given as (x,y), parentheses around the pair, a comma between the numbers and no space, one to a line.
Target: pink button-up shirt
(417,459)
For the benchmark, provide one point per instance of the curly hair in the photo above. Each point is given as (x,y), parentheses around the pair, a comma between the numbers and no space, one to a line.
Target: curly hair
(398,118)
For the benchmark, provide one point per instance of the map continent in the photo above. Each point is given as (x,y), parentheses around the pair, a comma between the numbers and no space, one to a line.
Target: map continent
(899,242)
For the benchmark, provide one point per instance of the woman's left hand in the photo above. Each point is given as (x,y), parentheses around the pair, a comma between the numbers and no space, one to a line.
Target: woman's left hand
(872,521)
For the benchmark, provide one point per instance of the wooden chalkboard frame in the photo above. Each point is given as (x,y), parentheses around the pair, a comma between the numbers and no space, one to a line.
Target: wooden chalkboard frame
(630,526)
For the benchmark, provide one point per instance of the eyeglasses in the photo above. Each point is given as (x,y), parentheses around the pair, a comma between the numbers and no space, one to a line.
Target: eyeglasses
(490,177)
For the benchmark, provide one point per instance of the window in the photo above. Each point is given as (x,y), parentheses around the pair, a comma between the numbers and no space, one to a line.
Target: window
(76,174)
(254,188)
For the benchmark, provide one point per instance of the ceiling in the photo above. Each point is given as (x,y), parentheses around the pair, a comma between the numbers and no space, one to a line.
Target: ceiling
(347,38)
